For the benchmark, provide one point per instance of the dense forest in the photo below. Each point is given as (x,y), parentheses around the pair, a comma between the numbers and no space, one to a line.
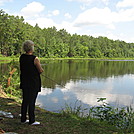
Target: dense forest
(51,42)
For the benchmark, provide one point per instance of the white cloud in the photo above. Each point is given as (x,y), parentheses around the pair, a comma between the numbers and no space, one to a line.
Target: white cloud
(4,1)
(83,1)
(45,22)
(109,35)
(90,1)
(53,13)
(111,26)
(125,3)
(114,36)
(32,9)
(68,26)
(95,16)
(126,15)
(56,12)
(105,1)
(67,15)
(42,22)
(83,7)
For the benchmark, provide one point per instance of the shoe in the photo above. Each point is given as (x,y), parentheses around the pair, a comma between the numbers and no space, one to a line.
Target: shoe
(35,123)
(27,121)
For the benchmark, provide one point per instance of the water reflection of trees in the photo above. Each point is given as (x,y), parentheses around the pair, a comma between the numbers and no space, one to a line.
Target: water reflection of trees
(62,71)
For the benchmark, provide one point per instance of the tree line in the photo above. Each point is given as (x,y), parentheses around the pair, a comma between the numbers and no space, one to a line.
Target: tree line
(51,42)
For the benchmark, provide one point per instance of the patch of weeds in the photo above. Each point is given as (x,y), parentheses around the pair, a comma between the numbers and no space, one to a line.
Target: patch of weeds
(77,111)
(120,117)
(11,81)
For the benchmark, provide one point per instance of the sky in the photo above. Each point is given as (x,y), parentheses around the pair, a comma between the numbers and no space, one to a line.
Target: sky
(113,19)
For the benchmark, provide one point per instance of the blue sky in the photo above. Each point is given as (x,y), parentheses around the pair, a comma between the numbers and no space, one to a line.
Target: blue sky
(110,18)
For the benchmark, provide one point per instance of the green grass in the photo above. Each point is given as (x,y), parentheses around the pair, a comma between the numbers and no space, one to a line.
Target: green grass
(9,58)
(52,123)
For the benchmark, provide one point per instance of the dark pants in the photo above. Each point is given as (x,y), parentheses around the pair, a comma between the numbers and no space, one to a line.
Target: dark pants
(28,104)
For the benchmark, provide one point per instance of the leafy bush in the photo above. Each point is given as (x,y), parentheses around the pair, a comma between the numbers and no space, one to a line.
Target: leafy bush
(12,88)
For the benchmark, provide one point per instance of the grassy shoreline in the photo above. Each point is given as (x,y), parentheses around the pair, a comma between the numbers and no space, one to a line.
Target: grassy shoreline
(52,123)
(2,58)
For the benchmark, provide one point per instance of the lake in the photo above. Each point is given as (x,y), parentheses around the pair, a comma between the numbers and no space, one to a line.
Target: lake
(81,82)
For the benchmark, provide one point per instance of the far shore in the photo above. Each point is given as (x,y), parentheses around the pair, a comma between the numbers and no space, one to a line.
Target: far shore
(10,58)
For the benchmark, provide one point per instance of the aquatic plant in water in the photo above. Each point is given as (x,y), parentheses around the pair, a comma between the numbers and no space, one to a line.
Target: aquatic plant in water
(120,117)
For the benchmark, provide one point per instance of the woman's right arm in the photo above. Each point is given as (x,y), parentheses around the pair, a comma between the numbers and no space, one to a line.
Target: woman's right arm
(38,65)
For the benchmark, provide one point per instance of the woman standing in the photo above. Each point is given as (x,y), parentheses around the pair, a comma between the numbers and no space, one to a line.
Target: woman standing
(30,82)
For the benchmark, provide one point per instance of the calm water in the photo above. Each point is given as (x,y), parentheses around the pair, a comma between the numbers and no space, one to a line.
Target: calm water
(81,82)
